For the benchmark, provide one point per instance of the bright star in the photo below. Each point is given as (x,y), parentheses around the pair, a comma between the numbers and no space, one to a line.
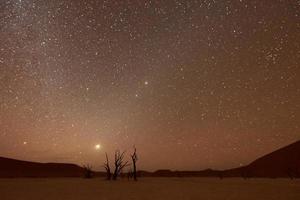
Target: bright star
(97,146)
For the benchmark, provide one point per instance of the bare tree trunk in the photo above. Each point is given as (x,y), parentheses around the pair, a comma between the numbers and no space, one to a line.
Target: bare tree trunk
(107,168)
(134,160)
(119,164)
(115,175)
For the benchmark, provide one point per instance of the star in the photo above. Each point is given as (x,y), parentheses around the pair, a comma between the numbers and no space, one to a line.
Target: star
(161,76)
(97,147)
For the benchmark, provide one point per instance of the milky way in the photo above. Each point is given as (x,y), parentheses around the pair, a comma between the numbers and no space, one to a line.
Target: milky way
(192,84)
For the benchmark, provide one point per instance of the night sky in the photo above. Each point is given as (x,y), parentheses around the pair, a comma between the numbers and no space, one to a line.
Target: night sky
(192,84)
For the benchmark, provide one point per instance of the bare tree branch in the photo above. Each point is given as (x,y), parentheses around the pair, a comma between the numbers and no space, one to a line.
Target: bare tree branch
(107,168)
(134,159)
(88,173)
(119,163)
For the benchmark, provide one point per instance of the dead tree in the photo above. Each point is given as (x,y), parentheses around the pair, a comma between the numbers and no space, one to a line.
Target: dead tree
(134,159)
(107,168)
(88,173)
(119,164)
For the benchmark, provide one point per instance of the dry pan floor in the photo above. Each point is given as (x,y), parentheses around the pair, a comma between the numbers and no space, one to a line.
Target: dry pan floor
(149,188)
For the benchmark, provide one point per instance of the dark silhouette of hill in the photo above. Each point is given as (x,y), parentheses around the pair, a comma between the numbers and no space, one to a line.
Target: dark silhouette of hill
(284,162)
(17,168)
(169,173)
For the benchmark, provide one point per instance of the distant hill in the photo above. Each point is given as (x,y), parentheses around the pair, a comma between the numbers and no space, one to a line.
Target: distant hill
(17,168)
(284,162)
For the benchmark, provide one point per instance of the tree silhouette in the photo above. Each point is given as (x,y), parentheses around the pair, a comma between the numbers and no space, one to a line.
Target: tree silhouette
(134,159)
(88,173)
(119,163)
(107,168)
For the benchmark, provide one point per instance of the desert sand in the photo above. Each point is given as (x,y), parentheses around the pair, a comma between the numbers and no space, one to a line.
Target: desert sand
(149,188)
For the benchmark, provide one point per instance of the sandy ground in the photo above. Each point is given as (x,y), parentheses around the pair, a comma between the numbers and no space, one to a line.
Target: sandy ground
(149,188)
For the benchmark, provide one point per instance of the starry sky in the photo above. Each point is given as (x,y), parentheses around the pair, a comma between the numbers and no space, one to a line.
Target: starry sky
(193,84)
